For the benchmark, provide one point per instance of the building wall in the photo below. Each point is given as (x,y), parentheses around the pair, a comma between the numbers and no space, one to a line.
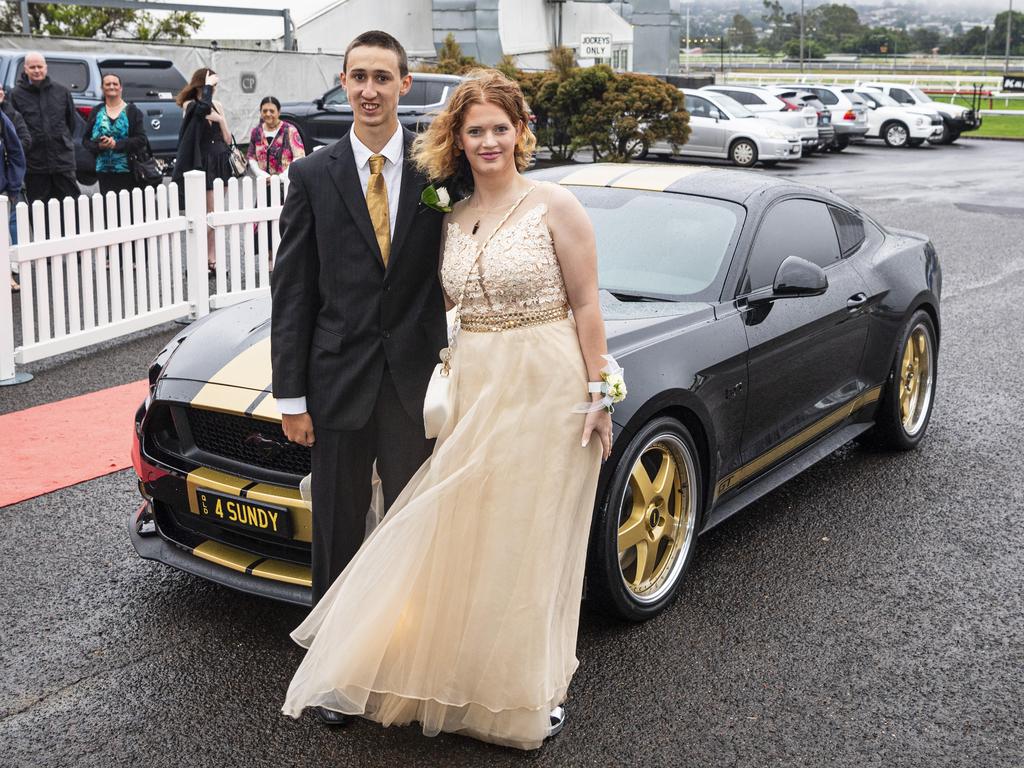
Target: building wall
(528,28)
(408,20)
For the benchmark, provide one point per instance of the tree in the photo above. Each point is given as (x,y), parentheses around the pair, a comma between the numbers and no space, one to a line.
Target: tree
(451,60)
(78,21)
(745,36)
(836,24)
(634,112)
(812,49)
(784,26)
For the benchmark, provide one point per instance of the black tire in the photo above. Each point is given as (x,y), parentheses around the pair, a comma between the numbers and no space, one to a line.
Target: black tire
(666,528)
(895,134)
(946,137)
(840,143)
(743,153)
(902,419)
(769,163)
(915,142)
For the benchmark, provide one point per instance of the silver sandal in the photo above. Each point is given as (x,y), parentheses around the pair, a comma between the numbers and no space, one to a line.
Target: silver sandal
(558,716)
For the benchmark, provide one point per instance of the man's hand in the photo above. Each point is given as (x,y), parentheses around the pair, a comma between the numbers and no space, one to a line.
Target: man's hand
(298,427)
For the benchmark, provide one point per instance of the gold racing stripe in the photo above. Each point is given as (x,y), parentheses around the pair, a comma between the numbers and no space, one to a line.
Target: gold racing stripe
(267,409)
(795,442)
(279,570)
(246,562)
(656,178)
(302,518)
(212,480)
(231,389)
(594,175)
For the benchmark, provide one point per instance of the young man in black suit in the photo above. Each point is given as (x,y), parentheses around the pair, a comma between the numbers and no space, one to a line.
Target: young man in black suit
(358,315)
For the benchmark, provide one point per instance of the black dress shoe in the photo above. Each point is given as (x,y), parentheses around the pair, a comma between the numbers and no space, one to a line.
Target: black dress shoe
(330,717)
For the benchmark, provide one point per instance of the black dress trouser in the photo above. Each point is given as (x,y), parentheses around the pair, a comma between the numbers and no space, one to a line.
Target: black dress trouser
(44,186)
(342,466)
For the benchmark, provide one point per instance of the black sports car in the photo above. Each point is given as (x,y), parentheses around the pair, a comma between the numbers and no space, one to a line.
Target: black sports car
(761,323)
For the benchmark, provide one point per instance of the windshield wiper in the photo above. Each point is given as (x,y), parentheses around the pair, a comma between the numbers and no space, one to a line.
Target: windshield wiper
(624,297)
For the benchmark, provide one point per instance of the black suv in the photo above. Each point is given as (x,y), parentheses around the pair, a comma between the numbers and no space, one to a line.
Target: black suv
(150,83)
(327,119)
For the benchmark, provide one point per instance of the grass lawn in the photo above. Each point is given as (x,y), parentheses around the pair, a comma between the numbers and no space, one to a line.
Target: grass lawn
(1004,126)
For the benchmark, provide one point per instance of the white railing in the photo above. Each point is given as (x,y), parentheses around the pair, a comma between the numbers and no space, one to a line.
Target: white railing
(94,269)
(248,217)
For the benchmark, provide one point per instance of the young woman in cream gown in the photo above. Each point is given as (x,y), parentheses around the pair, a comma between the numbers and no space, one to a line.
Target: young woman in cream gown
(461,609)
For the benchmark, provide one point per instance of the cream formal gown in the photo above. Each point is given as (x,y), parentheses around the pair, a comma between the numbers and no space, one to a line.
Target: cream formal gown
(461,609)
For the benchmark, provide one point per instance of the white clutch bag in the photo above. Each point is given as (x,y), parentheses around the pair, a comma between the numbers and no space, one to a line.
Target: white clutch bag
(437,405)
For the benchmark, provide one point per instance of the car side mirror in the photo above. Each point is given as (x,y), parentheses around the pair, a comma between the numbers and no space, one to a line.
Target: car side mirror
(799,277)
(319,103)
(795,277)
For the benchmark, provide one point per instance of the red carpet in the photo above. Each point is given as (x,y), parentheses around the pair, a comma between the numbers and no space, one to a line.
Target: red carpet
(60,444)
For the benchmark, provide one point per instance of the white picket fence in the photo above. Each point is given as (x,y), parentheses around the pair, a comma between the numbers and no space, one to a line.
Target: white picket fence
(97,268)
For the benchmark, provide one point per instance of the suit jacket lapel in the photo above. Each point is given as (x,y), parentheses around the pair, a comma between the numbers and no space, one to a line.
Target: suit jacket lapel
(345,176)
(408,199)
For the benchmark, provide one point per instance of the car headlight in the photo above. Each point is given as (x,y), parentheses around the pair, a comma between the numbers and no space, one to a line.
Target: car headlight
(919,121)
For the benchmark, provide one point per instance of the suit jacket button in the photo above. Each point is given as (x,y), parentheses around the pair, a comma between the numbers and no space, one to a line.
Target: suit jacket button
(387,334)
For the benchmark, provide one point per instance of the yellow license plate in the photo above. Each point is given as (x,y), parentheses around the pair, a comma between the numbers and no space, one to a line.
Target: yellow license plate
(244,513)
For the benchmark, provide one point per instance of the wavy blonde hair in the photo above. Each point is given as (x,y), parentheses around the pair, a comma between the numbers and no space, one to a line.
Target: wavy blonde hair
(435,152)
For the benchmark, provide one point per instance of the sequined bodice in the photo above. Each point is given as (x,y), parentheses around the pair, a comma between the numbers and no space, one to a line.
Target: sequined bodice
(517,272)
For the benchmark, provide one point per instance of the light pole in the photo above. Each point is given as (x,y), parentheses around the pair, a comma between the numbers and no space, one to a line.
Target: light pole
(802,36)
(1009,25)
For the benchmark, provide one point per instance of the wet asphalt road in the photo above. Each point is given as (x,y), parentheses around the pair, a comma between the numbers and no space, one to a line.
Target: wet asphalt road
(868,613)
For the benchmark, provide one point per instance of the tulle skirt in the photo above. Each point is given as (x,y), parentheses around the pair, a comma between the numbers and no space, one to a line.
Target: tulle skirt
(461,609)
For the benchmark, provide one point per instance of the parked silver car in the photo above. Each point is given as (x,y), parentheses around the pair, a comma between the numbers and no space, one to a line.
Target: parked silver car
(797,98)
(849,114)
(763,103)
(722,127)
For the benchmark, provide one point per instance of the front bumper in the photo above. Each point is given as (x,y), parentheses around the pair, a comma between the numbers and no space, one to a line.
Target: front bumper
(850,130)
(230,572)
(970,121)
(779,149)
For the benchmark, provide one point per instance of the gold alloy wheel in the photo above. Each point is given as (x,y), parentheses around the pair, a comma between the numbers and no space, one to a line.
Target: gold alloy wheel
(657,516)
(915,383)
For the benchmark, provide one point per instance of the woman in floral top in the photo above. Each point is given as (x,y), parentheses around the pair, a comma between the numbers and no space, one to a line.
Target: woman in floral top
(273,144)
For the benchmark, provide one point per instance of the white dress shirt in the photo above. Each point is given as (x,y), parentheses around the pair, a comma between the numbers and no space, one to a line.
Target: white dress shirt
(394,154)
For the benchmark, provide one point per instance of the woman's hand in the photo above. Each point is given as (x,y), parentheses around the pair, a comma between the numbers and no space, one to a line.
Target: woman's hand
(215,117)
(106,142)
(212,79)
(599,423)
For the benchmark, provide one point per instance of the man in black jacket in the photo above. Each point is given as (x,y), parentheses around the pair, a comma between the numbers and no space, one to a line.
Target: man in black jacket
(49,113)
(358,314)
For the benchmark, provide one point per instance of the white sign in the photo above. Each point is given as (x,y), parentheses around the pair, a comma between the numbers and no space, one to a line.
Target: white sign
(595,46)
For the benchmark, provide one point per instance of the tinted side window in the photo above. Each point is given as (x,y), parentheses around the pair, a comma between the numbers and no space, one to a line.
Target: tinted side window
(414,98)
(73,75)
(434,93)
(699,107)
(146,81)
(901,96)
(746,98)
(850,228)
(792,228)
(827,97)
(338,97)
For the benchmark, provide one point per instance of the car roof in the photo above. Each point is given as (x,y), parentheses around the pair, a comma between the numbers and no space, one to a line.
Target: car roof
(722,183)
(756,88)
(83,56)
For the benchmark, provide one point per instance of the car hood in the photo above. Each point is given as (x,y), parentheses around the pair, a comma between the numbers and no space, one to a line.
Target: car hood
(953,110)
(231,348)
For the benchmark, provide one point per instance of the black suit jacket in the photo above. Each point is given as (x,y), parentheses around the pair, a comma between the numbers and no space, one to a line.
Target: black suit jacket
(338,315)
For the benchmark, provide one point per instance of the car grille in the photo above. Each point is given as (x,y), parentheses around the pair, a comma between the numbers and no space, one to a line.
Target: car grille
(247,440)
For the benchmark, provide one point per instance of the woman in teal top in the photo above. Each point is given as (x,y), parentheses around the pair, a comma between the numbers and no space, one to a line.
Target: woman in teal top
(114,133)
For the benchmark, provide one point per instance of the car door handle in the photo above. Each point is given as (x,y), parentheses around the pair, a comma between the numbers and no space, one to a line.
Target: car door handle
(857,300)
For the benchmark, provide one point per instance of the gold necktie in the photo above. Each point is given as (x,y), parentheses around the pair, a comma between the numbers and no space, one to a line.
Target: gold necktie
(377,202)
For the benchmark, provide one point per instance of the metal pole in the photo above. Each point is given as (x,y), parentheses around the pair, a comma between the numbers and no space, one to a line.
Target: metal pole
(801,37)
(1009,25)
(288,41)
(721,54)
(26,23)
(688,37)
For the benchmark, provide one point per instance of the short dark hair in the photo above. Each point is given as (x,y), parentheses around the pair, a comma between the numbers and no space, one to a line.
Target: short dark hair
(105,75)
(377,39)
(271,100)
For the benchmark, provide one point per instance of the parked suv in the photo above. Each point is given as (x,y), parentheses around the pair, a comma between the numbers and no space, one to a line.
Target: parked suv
(328,118)
(149,82)
(955,119)
(801,120)
(849,113)
(896,125)
(799,98)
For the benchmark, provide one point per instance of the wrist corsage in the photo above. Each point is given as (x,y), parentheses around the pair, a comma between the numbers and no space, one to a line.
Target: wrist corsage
(612,387)
(436,198)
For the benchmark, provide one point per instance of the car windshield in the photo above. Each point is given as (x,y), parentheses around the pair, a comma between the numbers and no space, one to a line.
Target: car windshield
(731,107)
(661,245)
(920,95)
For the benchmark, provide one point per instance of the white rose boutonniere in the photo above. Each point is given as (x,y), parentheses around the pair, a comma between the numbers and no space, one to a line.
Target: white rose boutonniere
(436,198)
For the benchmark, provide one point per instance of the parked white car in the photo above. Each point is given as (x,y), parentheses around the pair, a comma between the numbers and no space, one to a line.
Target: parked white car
(722,127)
(849,115)
(896,125)
(955,119)
(802,120)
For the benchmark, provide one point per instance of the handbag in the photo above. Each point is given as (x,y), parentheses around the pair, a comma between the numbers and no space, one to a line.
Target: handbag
(236,160)
(437,403)
(148,171)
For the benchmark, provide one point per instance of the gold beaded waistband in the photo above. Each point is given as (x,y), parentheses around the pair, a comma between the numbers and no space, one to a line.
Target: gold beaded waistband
(505,321)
